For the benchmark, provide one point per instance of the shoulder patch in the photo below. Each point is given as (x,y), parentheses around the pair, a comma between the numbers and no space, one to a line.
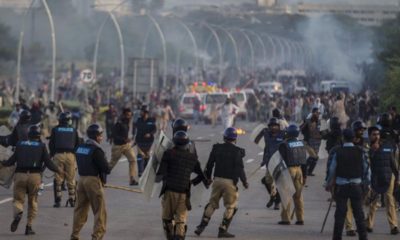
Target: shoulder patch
(296,144)
(65,129)
(30,143)
(83,150)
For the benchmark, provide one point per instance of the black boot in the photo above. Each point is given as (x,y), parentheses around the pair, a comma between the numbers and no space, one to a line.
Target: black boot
(57,200)
(29,230)
(311,166)
(201,227)
(15,222)
(222,233)
(70,202)
(271,201)
(277,201)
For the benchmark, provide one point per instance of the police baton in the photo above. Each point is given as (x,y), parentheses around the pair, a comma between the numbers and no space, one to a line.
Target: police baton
(61,106)
(327,214)
(123,188)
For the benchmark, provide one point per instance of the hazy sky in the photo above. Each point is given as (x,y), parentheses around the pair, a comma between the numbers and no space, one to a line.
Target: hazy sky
(219,2)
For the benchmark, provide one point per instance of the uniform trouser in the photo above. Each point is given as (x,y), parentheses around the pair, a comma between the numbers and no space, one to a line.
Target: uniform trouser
(67,162)
(227,190)
(269,181)
(390,208)
(26,183)
(143,157)
(348,221)
(116,153)
(311,161)
(297,177)
(90,194)
(343,193)
(174,208)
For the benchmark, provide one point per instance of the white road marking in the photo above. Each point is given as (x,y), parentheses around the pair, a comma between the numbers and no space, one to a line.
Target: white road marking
(199,138)
(212,134)
(6,200)
(48,184)
(263,167)
(250,160)
(260,153)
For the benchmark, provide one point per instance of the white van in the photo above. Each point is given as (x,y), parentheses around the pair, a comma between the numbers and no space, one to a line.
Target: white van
(218,99)
(271,87)
(334,86)
(186,104)
(240,98)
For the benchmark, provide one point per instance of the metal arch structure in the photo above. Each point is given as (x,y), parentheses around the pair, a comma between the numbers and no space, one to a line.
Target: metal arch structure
(274,50)
(230,36)
(163,43)
(194,42)
(251,46)
(219,46)
(53,44)
(121,44)
(260,41)
(289,57)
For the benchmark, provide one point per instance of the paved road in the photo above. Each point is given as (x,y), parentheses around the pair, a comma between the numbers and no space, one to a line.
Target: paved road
(132,217)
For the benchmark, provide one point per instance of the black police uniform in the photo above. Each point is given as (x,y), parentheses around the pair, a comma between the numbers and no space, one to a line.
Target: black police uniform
(30,158)
(349,167)
(93,169)
(63,141)
(176,166)
(139,129)
(227,161)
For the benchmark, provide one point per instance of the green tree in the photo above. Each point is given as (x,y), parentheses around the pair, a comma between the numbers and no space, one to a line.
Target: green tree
(387,49)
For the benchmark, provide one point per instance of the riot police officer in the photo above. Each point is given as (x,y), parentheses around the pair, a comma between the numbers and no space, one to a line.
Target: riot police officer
(144,129)
(181,125)
(273,136)
(294,153)
(63,141)
(359,128)
(20,131)
(176,166)
(312,135)
(30,156)
(384,177)
(227,159)
(93,169)
(385,121)
(122,145)
(348,172)
(333,136)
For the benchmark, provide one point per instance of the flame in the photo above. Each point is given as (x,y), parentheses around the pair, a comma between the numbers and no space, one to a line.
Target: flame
(240,131)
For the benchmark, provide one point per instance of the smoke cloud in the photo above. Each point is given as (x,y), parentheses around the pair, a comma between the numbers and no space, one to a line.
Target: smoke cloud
(339,47)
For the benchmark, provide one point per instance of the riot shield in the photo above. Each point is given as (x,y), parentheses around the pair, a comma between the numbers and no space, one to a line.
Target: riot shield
(6,173)
(282,178)
(255,133)
(147,182)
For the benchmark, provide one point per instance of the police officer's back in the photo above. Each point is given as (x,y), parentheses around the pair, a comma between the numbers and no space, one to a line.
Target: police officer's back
(349,171)
(227,159)
(293,151)
(63,138)
(93,169)
(176,166)
(181,125)
(63,141)
(30,157)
